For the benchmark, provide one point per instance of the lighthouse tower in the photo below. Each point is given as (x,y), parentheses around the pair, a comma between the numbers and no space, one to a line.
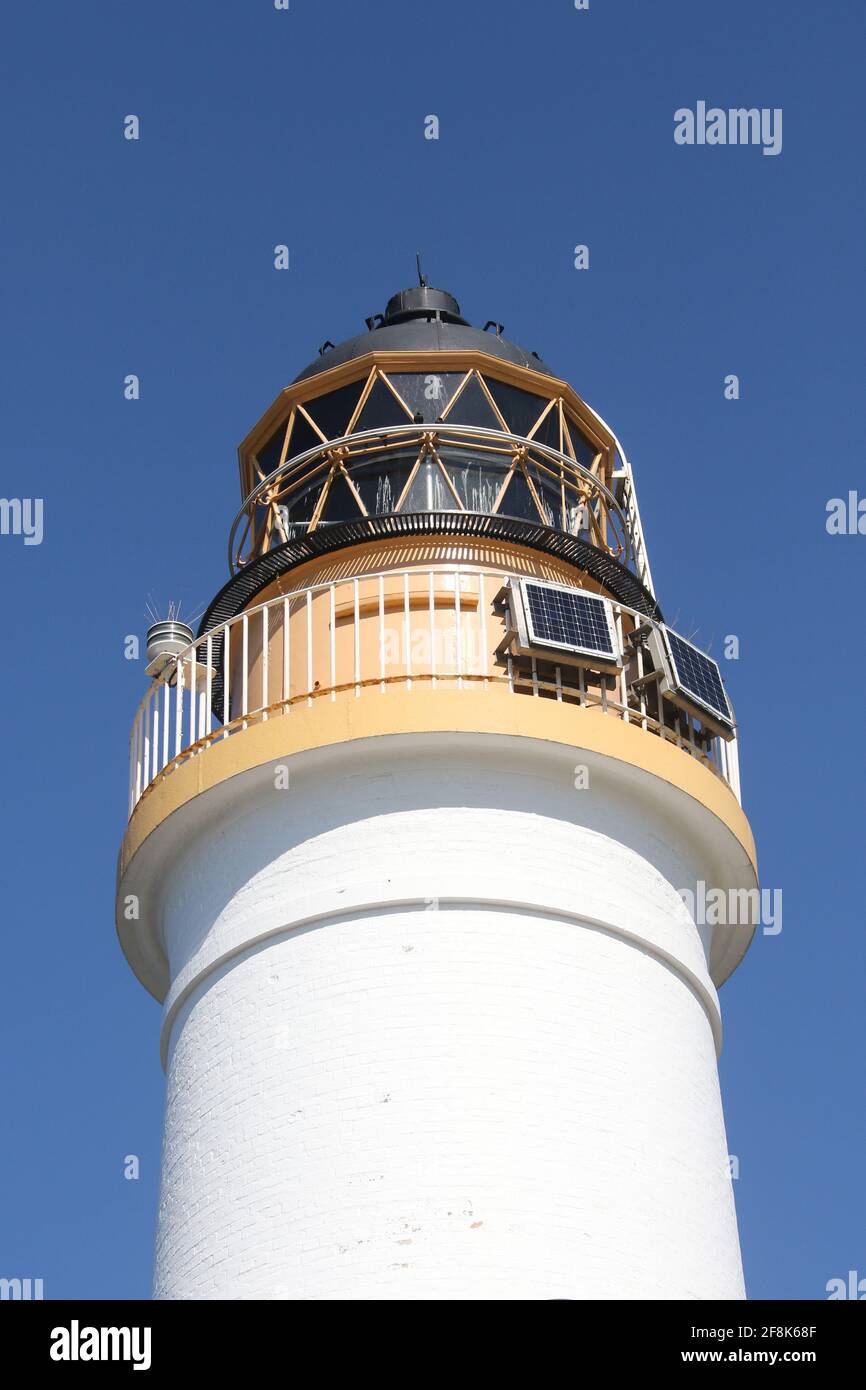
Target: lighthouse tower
(416,821)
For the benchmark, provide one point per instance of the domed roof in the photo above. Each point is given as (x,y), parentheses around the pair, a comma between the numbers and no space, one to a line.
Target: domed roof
(423,319)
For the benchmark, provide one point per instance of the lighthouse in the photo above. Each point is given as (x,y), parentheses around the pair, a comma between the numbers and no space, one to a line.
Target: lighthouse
(417,821)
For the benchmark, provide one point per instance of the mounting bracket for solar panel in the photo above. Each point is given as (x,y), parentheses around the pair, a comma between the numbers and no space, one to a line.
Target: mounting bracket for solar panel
(649,678)
(639,634)
(671,689)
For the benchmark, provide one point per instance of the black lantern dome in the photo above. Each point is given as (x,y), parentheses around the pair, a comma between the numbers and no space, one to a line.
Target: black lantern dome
(423,319)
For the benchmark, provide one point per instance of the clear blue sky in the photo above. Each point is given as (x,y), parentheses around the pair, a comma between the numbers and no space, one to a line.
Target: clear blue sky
(156,257)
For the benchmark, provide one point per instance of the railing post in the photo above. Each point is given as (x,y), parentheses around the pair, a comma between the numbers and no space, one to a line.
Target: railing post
(382,634)
(133,766)
(166,719)
(140,767)
(193,703)
(431,609)
(722,758)
(245,668)
(178,706)
(623,688)
(139,752)
(208,709)
(129,780)
(333,638)
(482,628)
(146,724)
(641,686)
(227,678)
(357,636)
(309,647)
(287,674)
(265,661)
(734,768)
(154,755)
(458,628)
(407,630)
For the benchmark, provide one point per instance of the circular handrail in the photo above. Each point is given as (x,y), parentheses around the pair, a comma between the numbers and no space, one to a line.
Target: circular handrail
(439,430)
(159,722)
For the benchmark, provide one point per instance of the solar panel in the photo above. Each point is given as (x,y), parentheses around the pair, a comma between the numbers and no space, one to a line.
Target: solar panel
(569,620)
(698,676)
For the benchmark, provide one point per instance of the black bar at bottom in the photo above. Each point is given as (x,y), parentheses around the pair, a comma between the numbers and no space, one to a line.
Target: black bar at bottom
(63,1338)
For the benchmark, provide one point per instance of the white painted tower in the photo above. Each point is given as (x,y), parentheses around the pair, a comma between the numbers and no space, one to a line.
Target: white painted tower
(410,825)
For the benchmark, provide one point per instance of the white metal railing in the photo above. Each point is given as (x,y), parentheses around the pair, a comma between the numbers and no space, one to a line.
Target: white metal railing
(361,635)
